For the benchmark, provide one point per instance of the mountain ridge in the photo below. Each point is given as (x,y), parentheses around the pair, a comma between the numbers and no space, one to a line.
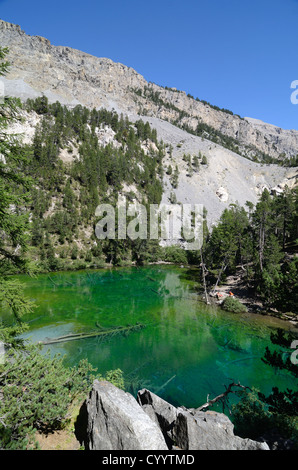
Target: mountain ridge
(74,77)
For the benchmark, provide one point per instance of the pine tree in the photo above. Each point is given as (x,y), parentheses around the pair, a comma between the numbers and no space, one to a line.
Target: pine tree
(262,220)
(14,197)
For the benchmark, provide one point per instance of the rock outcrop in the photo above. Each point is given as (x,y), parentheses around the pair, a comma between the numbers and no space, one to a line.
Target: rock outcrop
(115,421)
(112,419)
(194,430)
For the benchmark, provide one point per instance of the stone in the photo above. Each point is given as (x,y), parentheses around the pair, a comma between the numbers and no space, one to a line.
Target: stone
(209,431)
(194,430)
(161,412)
(115,421)
(222,194)
(112,419)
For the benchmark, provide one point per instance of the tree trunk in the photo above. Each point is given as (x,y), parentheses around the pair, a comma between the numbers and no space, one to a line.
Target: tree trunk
(204,277)
(222,269)
(222,396)
(261,245)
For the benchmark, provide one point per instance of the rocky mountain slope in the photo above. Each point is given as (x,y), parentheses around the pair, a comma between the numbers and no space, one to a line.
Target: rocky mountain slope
(188,126)
(226,178)
(72,76)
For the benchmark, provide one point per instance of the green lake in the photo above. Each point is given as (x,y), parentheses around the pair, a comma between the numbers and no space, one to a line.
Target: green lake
(186,351)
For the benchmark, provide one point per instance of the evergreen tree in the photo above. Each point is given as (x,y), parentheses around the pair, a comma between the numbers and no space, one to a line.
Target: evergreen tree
(258,242)
(257,414)
(69,199)
(226,246)
(14,197)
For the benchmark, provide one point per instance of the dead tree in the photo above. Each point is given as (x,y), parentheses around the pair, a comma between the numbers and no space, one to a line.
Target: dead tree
(222,270)
(223,397)
(204,277)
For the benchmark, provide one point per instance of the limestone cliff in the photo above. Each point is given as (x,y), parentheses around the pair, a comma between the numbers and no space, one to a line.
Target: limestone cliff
(74,77)
(71,76)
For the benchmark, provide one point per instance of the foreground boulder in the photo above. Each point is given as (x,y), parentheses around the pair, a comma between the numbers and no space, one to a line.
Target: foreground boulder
(112,419)
(210,431)
(194,430)
(161,412)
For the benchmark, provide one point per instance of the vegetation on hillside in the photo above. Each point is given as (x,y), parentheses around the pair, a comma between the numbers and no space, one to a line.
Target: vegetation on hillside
(206,131)
(261,243)
(95,174)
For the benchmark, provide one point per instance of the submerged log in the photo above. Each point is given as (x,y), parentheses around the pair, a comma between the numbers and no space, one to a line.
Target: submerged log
(101,332)
(165,384)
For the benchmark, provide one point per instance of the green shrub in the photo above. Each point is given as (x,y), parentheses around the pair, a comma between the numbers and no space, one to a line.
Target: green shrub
(174,254)
(250,416)
(252,419)
(230,304)
(36,393)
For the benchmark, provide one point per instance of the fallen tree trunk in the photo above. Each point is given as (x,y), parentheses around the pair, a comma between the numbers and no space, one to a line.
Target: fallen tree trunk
(100,332)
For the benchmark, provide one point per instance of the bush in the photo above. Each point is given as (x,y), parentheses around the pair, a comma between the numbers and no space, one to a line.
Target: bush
(230,304)
(36,393)
(250,416)
(252,419)
(175,255)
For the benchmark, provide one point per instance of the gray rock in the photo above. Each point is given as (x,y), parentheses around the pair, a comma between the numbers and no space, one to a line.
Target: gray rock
(115,421)
(209,431)
(160,411)
(194,430)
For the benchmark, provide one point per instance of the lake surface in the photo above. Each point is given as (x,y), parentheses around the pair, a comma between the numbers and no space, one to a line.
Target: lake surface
(186,351)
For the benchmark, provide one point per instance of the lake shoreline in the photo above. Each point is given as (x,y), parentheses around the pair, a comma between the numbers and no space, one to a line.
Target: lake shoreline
(234,286)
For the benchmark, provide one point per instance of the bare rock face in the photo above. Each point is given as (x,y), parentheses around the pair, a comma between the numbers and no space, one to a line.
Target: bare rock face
(194,430)
(64,74)
(112,419)
(74,77)
(162,413)
(115,421)
(210,431)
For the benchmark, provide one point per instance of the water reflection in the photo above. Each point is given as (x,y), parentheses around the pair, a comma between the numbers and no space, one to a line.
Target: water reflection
(186,350)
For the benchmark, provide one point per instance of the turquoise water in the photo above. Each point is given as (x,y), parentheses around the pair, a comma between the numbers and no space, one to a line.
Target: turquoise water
(186,351)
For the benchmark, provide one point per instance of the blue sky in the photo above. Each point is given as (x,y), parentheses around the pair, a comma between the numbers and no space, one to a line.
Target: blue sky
(237,54)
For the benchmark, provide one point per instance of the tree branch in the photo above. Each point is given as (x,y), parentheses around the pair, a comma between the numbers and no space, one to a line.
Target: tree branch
(222,396)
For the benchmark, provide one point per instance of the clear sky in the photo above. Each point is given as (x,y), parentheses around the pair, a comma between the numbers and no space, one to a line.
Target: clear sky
(237,54)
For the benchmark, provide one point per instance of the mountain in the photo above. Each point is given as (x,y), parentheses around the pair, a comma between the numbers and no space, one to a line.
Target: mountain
(239,152)
(71,76)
